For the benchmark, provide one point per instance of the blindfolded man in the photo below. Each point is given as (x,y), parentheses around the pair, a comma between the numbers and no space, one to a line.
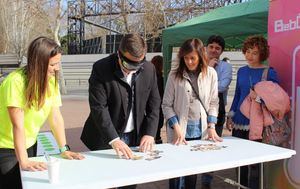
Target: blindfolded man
(124,101)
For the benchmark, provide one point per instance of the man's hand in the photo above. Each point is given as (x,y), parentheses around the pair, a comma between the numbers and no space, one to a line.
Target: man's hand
(33,166)
(179,138)
(147,143)
(122,149)
(72,155)
(213,62)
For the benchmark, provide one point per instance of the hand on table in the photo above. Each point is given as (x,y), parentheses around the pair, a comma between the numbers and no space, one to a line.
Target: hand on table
(71,155)
(179,137)
(147,143)
(122,149)
(33,166)
(212,135)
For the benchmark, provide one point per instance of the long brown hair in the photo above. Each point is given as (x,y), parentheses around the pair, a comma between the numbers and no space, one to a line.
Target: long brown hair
(187,47)
(39,52)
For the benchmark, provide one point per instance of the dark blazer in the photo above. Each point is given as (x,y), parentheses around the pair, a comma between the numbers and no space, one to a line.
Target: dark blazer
(109,98)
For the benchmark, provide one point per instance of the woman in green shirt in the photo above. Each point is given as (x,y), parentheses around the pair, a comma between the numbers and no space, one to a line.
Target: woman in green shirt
(29,96)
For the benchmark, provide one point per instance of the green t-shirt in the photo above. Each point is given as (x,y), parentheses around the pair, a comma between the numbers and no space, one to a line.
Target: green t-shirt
(12,94)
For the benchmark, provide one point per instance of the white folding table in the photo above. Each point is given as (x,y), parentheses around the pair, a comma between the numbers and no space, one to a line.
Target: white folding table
(103,169)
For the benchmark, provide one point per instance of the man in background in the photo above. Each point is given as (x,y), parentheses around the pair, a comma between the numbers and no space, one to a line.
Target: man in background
(215,47)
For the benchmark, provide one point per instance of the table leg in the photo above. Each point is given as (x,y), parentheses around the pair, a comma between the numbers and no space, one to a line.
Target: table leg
(261,175)
(239,176)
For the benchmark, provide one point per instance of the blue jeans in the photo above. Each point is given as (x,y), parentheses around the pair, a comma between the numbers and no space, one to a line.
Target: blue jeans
(206,178)
(187,182)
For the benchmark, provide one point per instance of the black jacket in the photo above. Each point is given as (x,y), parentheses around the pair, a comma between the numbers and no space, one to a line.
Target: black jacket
(109,98)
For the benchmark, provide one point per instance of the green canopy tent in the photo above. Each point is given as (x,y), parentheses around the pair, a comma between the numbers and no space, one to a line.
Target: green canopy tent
(233,22)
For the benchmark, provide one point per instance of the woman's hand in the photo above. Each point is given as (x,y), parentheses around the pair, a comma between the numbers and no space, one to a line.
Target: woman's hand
(33,166)
(179,138)
(71,155)
(212,135)
(229,123)
(252,94)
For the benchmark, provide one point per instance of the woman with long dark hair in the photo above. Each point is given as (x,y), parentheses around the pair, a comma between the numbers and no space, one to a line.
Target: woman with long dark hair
(190,102)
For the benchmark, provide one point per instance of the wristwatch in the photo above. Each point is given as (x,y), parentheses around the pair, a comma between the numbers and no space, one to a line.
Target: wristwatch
(211,127)
(64,148)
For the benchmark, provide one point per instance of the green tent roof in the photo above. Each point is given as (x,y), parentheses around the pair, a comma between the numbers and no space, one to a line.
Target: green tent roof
(233,22)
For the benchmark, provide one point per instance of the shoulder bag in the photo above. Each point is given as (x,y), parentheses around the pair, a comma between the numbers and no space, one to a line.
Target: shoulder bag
(279,132)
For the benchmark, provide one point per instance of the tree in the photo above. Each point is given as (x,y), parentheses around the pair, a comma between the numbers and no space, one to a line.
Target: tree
(20,21)
(55,25)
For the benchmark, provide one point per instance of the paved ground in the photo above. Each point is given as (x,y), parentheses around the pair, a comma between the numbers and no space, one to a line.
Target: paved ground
(75,110)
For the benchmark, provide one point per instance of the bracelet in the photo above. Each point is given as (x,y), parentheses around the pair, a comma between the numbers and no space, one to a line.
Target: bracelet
(211,127)
(258,99)
(64,148)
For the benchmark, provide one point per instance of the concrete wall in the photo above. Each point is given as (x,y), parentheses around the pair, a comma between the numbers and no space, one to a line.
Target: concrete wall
(237,60)
(77,68)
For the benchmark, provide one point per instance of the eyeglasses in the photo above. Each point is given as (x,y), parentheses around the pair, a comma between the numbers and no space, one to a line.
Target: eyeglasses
(129,64)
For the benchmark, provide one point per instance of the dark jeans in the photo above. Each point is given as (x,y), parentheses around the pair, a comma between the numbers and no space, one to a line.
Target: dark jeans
(249,175)
(206,178)
(158,139)
(189,181)
(10,176)
(221,115)
(130,140)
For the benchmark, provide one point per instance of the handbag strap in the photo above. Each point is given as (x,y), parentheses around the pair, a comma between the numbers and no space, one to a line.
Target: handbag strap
(264,76)
(197,95)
